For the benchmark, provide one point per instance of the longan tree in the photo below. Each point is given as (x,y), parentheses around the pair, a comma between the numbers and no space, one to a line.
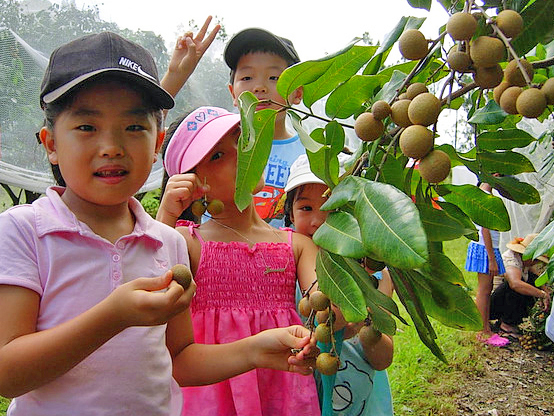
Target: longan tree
(392,208)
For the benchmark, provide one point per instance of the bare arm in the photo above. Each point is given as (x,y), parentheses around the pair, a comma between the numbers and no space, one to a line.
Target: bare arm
(188,52)
(30,359)
(514,278)
(200,364)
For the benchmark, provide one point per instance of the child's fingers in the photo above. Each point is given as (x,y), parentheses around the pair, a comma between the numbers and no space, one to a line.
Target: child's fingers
(204,29)
(152,284)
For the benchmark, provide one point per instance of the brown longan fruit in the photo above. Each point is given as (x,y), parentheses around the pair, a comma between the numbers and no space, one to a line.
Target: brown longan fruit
(461,26)
(488,77)
(198,208)
(325,317)
(182,275)
(435,167)
(304,307)
(513,74)
(323,333)
(368,128)
(416,141)
(380,109)
(510,23)
(415,89)
(327,363)
(369,336)
(508,99)
(399,113)
(486,51)
(413,45)
(424,109)
(457,60)
(548,90)
(319,301)
(215,207)
(499,90)
(531,103)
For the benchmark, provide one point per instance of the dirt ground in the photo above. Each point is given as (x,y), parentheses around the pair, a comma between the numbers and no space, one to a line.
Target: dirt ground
(514,382)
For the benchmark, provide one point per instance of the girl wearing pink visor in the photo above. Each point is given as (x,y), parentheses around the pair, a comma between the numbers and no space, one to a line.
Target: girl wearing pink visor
(245,270)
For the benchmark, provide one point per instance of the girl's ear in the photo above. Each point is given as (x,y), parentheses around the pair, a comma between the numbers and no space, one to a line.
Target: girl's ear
(46,137)
(159,142)
(296,96)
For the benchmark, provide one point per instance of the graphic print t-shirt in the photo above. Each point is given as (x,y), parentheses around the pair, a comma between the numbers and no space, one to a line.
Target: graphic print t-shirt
(271,199)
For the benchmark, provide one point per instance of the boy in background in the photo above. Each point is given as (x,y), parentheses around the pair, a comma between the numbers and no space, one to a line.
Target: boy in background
(257,58)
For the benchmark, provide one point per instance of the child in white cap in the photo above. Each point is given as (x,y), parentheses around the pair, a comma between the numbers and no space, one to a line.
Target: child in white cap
(361,386)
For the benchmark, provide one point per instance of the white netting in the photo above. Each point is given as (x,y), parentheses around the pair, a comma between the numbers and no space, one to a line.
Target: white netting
(23,161)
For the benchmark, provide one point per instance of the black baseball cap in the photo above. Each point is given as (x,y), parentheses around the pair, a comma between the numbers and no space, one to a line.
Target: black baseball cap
(256,39)
(96,55)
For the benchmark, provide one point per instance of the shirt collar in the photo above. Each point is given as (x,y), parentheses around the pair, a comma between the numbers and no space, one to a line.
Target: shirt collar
(54,216)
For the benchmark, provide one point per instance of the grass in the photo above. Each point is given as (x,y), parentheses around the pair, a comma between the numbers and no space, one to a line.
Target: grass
(421,384)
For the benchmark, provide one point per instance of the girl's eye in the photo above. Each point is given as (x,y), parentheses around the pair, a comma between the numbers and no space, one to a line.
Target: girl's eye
(306,208)
(246,78)
(216,155)
(274,78)
(85,127)
(135,127)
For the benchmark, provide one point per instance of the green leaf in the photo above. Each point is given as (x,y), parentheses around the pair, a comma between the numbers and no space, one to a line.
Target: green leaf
(254,147)
(438,225)
(301,74)
(506,163)
(379,303)
(483,208)
(340,287)
(442,268)
(390,225)
(512,188)
(491,113)
(407,295)
(504,139)
(346,191)
(420,4)
(538,26)
(450,304)
(541,244)
(456,213)
(390,88)
(341,69)
(306,139)
(348,98)
(340,234)
(324,163)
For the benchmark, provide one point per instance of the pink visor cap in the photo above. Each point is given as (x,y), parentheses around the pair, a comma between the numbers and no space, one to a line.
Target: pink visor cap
(197,134)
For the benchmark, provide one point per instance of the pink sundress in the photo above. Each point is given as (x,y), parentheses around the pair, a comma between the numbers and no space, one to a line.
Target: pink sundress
(235,299)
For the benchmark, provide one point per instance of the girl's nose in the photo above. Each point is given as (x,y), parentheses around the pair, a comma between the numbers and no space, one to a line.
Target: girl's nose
(110,145)
(260,88)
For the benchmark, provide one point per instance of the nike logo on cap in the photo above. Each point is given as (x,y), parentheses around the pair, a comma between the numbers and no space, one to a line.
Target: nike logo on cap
(134,66)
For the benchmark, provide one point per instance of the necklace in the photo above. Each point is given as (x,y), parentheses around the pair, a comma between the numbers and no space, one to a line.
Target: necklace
(267,268)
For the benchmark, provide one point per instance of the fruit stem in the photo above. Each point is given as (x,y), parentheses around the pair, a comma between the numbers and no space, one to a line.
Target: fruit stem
(506,41)
(387,152)
(289,107)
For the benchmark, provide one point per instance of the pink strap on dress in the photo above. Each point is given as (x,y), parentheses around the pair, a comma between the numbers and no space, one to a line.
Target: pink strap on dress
(192,226)
(290,231)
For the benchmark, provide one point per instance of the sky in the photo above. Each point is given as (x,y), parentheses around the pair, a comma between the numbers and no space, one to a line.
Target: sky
(315,28)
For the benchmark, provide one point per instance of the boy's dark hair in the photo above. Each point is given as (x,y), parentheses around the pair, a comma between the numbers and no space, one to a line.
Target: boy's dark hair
(54,109)
(257,40)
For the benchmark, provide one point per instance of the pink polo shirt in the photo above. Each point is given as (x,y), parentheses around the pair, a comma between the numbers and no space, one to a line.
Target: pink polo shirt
(46,249)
